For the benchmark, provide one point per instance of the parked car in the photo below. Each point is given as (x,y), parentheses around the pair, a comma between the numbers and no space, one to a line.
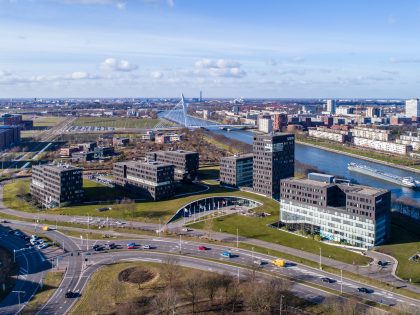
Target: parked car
(365,290)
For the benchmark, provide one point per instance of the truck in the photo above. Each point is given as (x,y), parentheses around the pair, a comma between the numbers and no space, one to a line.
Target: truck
(279,262)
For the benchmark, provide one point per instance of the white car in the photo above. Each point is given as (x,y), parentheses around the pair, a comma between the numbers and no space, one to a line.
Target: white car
(146,246)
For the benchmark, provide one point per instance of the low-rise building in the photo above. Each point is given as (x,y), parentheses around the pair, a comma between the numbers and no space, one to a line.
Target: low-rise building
(82,156)
(153,180)
(186,163)
(68,151)
(9,136)
(55,185)
(352,214)
(385,146)
(103,152)
(411,138)
(373,133)
(122,142)
(237,170)
(329,134)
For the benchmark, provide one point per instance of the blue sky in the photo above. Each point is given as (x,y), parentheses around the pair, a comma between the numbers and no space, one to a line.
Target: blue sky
(227,48)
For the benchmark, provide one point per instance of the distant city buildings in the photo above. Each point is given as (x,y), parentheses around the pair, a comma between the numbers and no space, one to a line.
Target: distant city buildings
(265,124)
(152,180)
(412,108)
(236,171)
(331,106)
(351,214)
(55,185)
(274,156)
(186,163)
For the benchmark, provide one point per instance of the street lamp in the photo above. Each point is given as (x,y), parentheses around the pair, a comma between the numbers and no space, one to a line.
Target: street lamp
(19,293)
(281,303)
(320,258)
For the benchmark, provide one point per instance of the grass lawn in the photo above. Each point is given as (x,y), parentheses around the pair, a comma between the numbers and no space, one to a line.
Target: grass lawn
(146,211)
(220,145)
(118,122)
(44,121)
(253,227)
(208,172)
(405,242)
(50,283)
(381,156)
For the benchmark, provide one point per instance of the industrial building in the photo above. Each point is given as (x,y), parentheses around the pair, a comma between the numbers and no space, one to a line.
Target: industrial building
(55,185)
(153,180)
(236,170)
(274,158)
(351,214)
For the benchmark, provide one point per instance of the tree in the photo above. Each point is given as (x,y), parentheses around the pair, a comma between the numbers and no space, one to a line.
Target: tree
(171,271)
(115,289)
(211,284)
(166,301)
(208,226)
(192,287)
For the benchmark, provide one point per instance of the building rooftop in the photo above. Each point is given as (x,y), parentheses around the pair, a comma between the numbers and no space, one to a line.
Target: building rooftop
(308,182)
(137,163)
(238,156)
(59,167)
(180,152)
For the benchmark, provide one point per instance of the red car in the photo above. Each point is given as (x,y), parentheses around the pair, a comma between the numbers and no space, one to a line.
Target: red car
(201,247)
(131,246)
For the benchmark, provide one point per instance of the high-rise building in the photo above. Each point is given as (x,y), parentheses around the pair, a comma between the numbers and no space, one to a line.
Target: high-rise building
(235,109)
(331,106)
(53,185)
(152,180)
(274,159)
(236,170)
(185,162)
(265,124)
(373,112)
(353,214)
(201,97)
(280,120)
(412,108)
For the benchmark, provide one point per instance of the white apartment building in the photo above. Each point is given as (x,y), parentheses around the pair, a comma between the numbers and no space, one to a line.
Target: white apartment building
(331,106)
(333,135)
(372,133)
(265,125)
(412,108)
(410,138)
(391,147)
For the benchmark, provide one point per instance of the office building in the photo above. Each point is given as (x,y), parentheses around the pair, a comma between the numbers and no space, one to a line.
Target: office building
(279,121)
(103,152)
(274,160)
(122,142)
(186,163)
(352,214)
(265,124)
(9,136)
(153,180)
(236,170)
(412,108)
(55,185)
(373,112)
(331,106)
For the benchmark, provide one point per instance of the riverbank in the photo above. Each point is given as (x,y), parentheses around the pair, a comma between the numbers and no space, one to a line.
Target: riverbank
(402,167)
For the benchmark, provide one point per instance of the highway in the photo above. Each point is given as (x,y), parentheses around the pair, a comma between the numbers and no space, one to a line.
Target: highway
(79,270)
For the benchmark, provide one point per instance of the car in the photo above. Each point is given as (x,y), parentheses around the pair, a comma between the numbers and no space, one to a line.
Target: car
(328,280)
(17,233)
(186,230)
(201,247)
(131,245)
(382,263)
(98,248)
(365,290)
(226,254)
(4,221)
(146,246)
(111,245)
(33,242)
(70,294)
(34,237)
(258,262)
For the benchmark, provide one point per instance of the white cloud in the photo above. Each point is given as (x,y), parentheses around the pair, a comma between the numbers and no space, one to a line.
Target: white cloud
(219,68)
(120,4)
(117,65)
(156,74)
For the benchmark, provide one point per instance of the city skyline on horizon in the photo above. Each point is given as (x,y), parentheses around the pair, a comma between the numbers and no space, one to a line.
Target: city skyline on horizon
(158,48)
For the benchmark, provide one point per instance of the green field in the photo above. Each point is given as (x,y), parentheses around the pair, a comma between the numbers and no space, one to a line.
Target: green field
(145,211)
(44,121)
(404,243)
(118,122)
(253,227)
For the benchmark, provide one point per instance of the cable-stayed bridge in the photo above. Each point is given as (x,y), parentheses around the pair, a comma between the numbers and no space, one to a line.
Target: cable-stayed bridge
(179,115)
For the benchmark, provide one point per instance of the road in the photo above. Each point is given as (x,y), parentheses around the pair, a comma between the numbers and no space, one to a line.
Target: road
(32,265)
(79,271)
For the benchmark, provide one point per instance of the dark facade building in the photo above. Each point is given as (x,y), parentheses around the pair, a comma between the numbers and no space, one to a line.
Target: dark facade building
(185,162)
(123,142)
(274,159)
(82,156)
(9,136)
(236,170)
(103,152)
(53,185)
(154,180)
(352,214)
(16,120)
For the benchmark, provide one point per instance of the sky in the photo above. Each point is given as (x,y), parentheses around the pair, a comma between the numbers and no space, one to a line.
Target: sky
(226,48)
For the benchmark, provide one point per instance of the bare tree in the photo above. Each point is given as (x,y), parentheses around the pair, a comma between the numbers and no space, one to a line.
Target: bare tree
(171,270)
(192,288)
(166,301)
(211,284)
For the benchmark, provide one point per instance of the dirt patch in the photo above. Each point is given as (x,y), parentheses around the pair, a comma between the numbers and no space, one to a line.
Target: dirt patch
(136,275)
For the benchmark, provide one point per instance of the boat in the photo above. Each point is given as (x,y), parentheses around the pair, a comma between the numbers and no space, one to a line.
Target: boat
(408,182)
